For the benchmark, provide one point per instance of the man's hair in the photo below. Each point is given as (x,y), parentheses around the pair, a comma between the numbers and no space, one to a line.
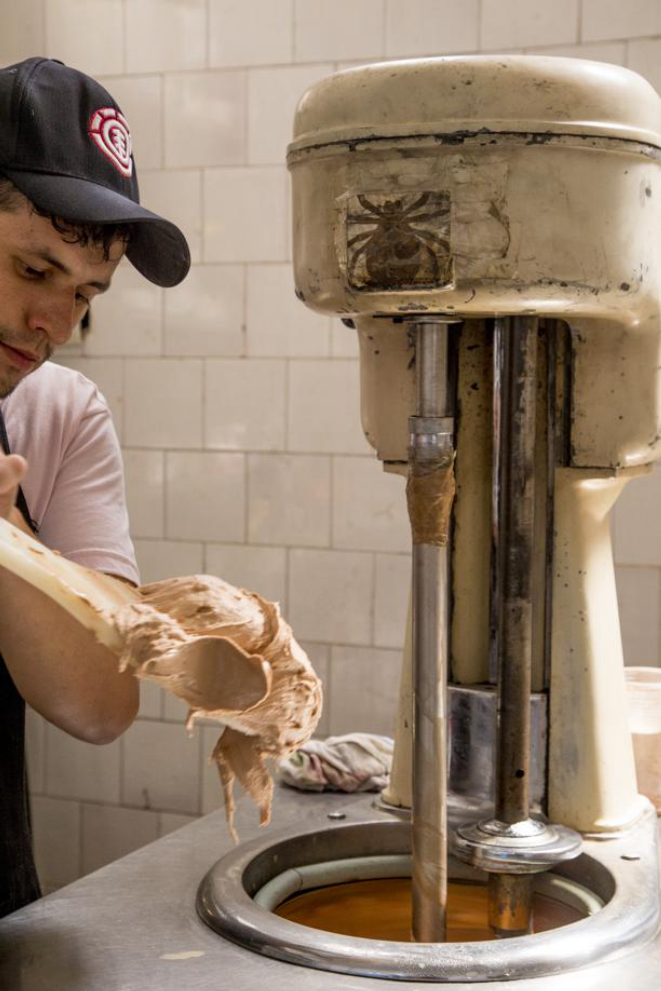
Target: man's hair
(73,231)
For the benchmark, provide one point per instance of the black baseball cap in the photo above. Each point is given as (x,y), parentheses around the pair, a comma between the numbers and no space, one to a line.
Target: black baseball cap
(66,145)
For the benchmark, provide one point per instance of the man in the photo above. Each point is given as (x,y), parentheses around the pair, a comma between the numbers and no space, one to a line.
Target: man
(69,211)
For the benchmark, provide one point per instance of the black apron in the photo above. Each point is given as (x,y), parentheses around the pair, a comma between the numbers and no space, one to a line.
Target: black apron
(19,884)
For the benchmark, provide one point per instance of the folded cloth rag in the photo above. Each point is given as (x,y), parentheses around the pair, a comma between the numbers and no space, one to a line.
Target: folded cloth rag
(354,762)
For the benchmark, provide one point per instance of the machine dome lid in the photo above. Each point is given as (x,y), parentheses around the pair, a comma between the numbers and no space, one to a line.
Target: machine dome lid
(455,94)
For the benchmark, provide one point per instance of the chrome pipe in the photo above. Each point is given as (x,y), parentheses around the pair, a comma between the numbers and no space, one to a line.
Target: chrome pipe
(431,368)
(429,492)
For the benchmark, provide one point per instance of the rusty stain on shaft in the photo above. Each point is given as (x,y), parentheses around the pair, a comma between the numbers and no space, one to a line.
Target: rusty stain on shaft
(510,904)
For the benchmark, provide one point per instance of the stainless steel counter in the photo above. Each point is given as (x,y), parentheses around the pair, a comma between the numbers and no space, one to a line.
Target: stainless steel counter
(132,926)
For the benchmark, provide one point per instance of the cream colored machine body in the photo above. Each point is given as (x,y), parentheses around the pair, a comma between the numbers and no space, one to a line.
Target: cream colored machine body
(490,226)
(507,186)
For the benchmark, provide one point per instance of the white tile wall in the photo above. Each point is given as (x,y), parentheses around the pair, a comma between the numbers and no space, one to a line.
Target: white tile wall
(160,767)
(249,398)
(245,405)
(234,39)
(81,770)
(289,499)
(159,559)
(57,840)
(165,35)
(262,569)
(645,58)
(431,27)
(520,23)
(324,407)
(35,749)
(163,403)
(214,293)
(343,29)
(330,595)
(272,98)
(611,19)
(344,341)
(614,52)
(392,580)
(205,496)
(363,689)
(369,507)
(86,34)
(246,217)
(639,601)
(277,325)
(637,540)
(145,492)
(22,31)
(126,319)
(205,122)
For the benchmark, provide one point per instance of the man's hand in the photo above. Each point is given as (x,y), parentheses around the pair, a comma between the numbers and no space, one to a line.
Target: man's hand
(12,469)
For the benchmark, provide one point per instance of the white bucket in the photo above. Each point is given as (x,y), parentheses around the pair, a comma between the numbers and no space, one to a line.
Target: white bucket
(644,707)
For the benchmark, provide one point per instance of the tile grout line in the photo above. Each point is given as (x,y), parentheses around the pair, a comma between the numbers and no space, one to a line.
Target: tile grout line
(164,493)
(246,116)
(373,603)
(246,498)
(331,501)
(81,840)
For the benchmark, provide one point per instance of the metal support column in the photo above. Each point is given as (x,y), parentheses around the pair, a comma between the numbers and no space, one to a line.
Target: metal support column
(430,492)
(512,846)
(510,897)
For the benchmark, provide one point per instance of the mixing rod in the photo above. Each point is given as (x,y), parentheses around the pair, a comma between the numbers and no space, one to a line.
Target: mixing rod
(430,492)
(512,846)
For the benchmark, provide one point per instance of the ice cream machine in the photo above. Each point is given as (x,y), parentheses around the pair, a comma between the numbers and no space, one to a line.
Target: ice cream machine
(491,228)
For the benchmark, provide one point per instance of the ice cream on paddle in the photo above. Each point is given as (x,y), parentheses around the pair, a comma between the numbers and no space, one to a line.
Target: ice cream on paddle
(225,651)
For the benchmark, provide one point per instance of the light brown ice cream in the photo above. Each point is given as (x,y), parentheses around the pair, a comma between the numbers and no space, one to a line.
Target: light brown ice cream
(229,654)
(225,651)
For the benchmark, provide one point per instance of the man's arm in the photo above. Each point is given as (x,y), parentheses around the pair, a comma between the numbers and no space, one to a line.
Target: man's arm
(55,663)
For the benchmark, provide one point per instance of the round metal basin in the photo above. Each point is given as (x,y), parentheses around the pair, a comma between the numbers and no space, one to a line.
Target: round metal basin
(616,891)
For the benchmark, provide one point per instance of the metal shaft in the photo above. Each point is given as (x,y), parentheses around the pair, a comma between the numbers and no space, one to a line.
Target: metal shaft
(430,494)
(515,401)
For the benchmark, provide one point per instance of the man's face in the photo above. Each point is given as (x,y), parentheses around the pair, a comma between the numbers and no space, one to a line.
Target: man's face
(46,285)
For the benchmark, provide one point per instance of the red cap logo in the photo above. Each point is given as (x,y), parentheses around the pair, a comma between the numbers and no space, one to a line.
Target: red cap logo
(110,133)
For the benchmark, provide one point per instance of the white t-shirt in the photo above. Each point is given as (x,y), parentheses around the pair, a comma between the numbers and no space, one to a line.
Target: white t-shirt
(59,421)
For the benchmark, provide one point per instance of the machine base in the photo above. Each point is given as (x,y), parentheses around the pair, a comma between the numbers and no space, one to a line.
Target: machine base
(622,872)
(133,923)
